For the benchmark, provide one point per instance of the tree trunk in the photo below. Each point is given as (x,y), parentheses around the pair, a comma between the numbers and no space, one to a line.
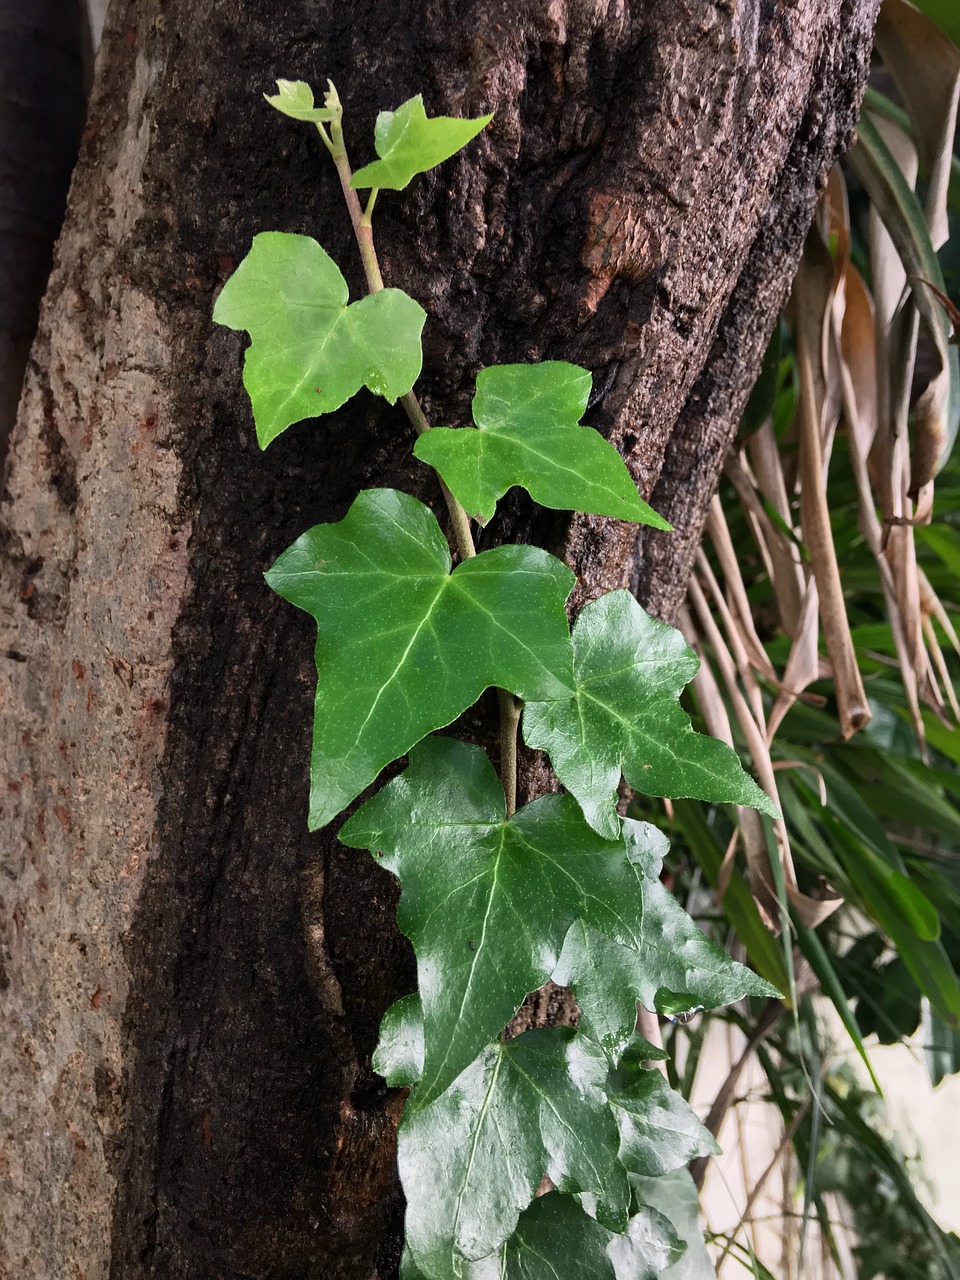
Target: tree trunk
(43,48)
(192,983)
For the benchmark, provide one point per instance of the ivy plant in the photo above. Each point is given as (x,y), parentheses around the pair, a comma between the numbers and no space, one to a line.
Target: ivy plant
(557,1151)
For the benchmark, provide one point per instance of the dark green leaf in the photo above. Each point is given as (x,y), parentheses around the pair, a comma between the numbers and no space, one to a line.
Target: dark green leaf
(625,716)
(409,143)
(473,1159)
(556,1240)
(486,901)
(527,434)
(941,1046)
(658,1130)
(822,966)
(310,351)
(675,1196)
(404,645)
(677,968)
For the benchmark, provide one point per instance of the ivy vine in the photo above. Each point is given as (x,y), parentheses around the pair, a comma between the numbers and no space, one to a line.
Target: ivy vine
(557,1152)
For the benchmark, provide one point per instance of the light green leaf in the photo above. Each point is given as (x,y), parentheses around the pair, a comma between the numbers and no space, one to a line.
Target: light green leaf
(399,1053)
(310,351)
(527,434)
(486,902)
(472,1160)
(658,1130)
(404,645)
(295,99)
(675,1196)
(625,716)
(409,143)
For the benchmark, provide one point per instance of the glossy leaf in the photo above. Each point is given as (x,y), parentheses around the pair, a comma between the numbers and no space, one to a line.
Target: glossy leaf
(486,902)
(472,1160)
(658,1130)
(556,1238)
(625,716)
(677,970)
(408,143)
(675,1196)
(399,1053)
(404,645)
(647,1247)
(294,98)
(527,434)
(310,351)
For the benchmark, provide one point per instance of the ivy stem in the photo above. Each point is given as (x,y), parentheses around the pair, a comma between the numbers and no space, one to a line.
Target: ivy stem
(510,707)
(363,230)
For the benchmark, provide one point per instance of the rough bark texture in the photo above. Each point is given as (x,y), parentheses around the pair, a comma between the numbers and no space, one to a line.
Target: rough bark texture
(192,984)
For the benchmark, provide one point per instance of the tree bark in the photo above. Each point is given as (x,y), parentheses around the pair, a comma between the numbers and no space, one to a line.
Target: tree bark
(192,984)
(43,47)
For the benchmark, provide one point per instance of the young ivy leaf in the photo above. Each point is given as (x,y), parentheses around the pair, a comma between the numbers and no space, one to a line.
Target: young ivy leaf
(486,901)
(409,143)
(527,433)
(294,98)
(404,645)
(625,717)
(310,351)
(472,1160)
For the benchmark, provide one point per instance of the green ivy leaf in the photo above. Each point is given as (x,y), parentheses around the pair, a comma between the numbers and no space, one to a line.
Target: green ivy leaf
(646,1248)
(605,978)
(675,1197)
(409,143)
(404,645)
(398,1056)
(486,902)
(625,716)
(527,434)
(675,969)
(658,1130)
(556,1238)
(294,98)
(472,1160)
(685,969)
(310,351)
